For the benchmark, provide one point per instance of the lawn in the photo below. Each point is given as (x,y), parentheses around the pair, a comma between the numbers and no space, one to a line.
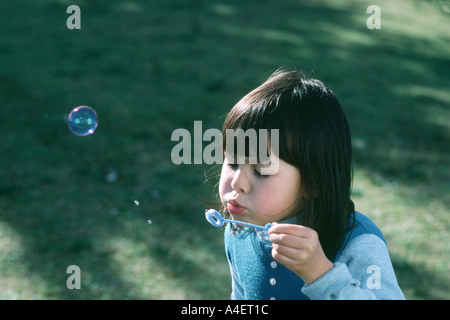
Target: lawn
(114,204)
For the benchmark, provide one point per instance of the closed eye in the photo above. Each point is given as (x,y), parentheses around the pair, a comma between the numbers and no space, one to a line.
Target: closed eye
(233,166)
(257,172)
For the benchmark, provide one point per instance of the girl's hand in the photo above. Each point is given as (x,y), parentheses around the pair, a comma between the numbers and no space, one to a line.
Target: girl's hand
(298,248)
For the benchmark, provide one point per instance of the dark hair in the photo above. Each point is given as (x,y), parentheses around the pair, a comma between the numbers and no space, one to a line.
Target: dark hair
(314,136)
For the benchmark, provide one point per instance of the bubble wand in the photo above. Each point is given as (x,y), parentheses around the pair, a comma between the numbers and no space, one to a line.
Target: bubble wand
(217,221)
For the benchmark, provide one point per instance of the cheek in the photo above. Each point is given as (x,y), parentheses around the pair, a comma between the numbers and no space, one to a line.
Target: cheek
(224,183)
(268,196)
(278,199)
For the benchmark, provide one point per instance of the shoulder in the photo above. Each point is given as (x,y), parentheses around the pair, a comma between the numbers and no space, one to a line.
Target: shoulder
(361,224)
(367,246)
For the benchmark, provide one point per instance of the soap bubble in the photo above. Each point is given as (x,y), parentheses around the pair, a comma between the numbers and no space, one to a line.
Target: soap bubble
(111,176)
(83,121)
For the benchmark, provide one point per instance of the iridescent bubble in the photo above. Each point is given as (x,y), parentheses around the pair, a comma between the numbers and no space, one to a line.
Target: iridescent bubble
(83,121)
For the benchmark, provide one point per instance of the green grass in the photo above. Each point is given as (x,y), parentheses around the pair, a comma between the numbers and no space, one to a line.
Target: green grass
(150,67)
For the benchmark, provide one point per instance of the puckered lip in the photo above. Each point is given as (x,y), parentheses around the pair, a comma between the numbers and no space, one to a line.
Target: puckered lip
(234,203)
(234,207)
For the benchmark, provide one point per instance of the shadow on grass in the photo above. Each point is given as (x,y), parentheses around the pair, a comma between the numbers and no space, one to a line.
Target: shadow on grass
(419,283)
(192,62)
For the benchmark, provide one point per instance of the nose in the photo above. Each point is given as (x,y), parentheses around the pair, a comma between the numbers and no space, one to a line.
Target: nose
(241,181)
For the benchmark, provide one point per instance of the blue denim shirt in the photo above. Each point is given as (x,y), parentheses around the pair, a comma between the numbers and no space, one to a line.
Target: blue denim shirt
(362,270)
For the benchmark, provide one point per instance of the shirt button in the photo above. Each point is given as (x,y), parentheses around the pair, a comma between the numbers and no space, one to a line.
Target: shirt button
(272,281)
(273,264)
(272,298)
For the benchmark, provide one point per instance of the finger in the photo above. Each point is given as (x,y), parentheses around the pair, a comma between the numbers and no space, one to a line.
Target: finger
(288,240)
(292,229)
(287,256)
(286,251)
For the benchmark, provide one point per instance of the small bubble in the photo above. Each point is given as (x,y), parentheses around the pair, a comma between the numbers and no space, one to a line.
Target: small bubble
(83,121)
(111,176)
(155,193)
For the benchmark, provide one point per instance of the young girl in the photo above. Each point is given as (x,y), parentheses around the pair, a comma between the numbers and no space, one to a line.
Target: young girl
(319,247)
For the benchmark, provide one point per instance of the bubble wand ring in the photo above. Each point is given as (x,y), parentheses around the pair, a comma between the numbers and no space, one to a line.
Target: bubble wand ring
(217,221)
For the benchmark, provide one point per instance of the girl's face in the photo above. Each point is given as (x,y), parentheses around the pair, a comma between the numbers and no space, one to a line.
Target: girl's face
(260,199)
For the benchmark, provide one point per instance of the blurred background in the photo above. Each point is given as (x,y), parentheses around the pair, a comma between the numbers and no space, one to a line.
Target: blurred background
(150,67)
